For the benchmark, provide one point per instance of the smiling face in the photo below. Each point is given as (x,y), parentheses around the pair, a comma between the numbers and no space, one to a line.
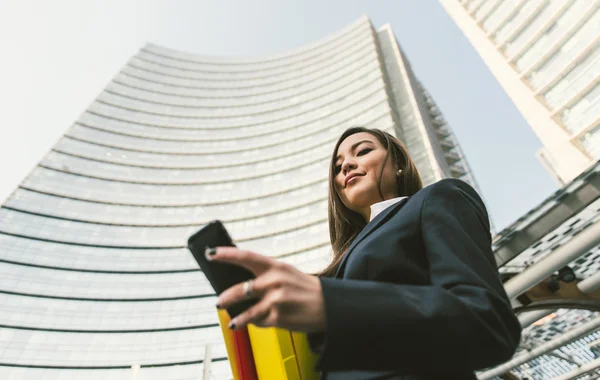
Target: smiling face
(372,156)
(357,169)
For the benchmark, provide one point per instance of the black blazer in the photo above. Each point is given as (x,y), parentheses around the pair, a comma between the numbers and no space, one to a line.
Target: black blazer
(417,295)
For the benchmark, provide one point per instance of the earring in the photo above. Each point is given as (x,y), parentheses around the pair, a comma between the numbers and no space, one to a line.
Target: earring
(399,173)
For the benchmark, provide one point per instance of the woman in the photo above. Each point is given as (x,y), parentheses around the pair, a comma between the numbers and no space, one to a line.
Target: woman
(413,290)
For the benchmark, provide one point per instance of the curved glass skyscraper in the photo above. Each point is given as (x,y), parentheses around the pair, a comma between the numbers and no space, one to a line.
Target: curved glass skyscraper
(95,279)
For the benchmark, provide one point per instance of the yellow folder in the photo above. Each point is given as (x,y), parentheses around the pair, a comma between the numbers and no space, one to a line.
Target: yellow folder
(229,343)
(278,354)
(305,357)
(282,355)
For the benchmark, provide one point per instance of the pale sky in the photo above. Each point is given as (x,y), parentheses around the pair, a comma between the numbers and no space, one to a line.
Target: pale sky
(57,56)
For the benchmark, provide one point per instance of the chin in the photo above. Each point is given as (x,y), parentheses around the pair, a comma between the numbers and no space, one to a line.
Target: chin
(362,201)
(362,195)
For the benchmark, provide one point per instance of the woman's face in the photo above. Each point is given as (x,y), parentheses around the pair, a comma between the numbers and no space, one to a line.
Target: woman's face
(357,167)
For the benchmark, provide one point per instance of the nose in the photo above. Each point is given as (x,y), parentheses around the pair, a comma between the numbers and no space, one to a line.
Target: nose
(348,165)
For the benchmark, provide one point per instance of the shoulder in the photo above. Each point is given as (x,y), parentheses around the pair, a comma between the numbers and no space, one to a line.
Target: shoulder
(448,187)
(452,193)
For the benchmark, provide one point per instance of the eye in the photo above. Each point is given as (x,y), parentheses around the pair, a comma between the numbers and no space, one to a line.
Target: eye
(364,151)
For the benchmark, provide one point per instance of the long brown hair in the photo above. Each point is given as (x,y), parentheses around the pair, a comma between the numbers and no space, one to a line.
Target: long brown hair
(345,224)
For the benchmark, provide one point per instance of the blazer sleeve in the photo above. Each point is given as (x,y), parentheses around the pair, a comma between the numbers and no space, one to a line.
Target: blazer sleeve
(463,321)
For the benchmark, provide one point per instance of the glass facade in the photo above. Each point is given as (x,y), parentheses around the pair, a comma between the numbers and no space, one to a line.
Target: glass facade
(95,279)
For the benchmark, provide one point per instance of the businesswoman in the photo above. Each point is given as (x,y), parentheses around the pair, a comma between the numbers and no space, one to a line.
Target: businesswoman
(412,291)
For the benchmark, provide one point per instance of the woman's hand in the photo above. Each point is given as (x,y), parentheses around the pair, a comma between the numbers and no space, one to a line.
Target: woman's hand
(288,298)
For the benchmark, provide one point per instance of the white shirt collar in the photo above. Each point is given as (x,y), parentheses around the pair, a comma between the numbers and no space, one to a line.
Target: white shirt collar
(378,207)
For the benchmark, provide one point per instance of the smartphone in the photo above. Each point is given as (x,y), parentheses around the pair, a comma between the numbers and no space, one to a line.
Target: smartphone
(220,275)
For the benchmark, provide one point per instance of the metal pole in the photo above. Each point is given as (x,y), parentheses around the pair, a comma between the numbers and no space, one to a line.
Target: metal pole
(135,370)
(563,339)
(530,317)
(207,361)
(577,246)
(588,285)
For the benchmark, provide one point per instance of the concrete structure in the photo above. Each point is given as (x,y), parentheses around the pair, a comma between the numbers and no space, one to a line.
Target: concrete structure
(546,56)
(95,281)
(559,314)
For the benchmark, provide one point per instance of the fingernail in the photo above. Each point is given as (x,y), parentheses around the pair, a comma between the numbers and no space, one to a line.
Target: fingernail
(218,305)
(232,325)
(209,252)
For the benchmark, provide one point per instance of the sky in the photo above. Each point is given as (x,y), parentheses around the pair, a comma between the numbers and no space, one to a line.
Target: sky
(58,56)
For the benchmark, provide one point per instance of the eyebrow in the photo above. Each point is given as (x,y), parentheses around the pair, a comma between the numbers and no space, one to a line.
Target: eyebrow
(354,147)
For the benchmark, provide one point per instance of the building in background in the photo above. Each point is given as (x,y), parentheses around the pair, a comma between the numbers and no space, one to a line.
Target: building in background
(549,261)
(95,279)
(546,56)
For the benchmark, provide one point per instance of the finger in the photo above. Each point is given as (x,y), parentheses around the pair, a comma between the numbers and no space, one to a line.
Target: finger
(260,315)
(238,293)
(254,262)
(259,287)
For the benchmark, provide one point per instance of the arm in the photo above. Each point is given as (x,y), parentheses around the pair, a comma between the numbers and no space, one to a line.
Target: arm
(462,321)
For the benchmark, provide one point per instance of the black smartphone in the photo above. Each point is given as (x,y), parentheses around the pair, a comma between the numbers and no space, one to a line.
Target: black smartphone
(220,275)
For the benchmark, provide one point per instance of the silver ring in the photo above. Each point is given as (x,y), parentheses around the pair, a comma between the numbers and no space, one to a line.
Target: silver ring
(249,288)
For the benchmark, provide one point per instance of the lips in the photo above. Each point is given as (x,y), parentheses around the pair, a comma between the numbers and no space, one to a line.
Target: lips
(350,177)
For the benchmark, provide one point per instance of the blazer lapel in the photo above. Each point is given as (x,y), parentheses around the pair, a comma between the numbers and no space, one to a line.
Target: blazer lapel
(380,219)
